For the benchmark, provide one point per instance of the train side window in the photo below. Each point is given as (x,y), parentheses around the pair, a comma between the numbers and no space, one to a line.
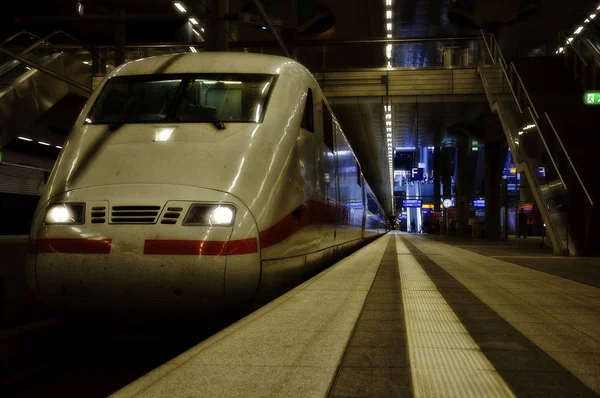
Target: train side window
(327,127)
(308,121)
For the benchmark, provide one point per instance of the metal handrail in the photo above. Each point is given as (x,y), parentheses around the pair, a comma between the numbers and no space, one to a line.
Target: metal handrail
(570,161)
(524,90)
(46,70)
(570,43)
(537,126)
(253,44)
(17,35)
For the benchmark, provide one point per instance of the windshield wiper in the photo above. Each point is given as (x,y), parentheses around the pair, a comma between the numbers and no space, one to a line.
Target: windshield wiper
(124,117)
(213,118)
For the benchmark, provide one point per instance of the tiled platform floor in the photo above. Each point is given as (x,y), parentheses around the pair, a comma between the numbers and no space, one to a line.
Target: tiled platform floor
(404,316)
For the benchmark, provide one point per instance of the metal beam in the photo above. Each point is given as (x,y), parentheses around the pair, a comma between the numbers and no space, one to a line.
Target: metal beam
(265,17)
(46,70)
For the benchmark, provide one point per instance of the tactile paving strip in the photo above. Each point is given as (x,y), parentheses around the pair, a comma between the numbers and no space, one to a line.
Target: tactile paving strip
(524,368)
(445,361)
(376,361)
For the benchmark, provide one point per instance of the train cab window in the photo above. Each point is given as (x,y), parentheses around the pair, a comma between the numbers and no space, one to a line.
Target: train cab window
(308,120)
(327,128)
(187,98)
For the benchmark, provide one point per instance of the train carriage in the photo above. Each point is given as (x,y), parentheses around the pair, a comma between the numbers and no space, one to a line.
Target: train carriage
(198,180)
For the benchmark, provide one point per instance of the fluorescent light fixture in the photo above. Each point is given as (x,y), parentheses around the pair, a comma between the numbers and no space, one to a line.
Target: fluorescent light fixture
(43,143)
(592,16)
(521,132)
(58,146)
(193,21)
(389,26)
(230,82)
(570,39)
(388,129)
(180,7)
(264,27)
(388,2)
(578,30)
(389,65)
(193,49)
(86,62)
(560,50)
(388,51)
(163,134)
(388,116)
(388,14)
(88,120)
(202,30)
(389,135)
(25,139)
(389,35)
(195,32)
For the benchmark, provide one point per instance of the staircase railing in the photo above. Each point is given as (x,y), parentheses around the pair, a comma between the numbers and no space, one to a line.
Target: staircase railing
(547,159)
(29,53)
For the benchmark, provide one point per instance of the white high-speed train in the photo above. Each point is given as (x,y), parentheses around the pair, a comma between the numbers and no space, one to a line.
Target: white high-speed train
(198,180)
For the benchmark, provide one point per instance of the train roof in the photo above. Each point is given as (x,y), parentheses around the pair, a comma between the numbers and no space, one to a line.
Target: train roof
(207,62)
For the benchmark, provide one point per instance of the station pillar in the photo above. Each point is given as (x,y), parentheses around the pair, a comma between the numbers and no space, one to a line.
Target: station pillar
(436,178)
(216,37)
(120,39)
(493,176)
(446,165)
(462,183)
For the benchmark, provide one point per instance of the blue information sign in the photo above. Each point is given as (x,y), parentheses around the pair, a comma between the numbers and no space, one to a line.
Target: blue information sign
(417,173)
(479,203)
(412,203)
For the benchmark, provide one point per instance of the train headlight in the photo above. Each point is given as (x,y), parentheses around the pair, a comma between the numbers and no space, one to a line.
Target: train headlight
(65,213)
(210,215)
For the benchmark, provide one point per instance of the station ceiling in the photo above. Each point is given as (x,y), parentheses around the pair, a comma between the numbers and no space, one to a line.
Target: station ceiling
(423,124)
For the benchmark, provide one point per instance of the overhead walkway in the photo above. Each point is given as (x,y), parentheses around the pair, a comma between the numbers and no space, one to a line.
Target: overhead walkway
(404,316)
(549,130)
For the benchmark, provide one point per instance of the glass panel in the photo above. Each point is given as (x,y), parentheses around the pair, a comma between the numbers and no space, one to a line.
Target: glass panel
(204,99)
(135,100)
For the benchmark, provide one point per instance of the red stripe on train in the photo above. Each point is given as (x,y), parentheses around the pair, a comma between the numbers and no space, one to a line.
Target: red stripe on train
(200,248)
(70,245)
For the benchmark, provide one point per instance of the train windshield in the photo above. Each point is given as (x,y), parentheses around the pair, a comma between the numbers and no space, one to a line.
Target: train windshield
(190,98)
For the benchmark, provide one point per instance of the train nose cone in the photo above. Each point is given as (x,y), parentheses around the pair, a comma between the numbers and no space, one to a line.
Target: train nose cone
(135,244)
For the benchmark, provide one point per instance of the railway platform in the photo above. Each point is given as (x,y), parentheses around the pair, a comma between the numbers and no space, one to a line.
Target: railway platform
(408,315)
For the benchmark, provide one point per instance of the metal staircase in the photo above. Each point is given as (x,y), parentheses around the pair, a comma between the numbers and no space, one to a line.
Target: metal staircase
(539,152)
(33,77)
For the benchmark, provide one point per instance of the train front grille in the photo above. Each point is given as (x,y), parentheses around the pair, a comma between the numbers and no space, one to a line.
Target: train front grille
(134,214)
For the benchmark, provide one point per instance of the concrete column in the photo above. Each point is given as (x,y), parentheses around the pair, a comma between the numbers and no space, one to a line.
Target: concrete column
(99,60)
(462,183)
(446,174)
(215,33)
(436,177)
(493,175)
(120,39)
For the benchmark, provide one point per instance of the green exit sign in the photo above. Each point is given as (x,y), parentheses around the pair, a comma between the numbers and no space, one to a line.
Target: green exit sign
(591,98)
